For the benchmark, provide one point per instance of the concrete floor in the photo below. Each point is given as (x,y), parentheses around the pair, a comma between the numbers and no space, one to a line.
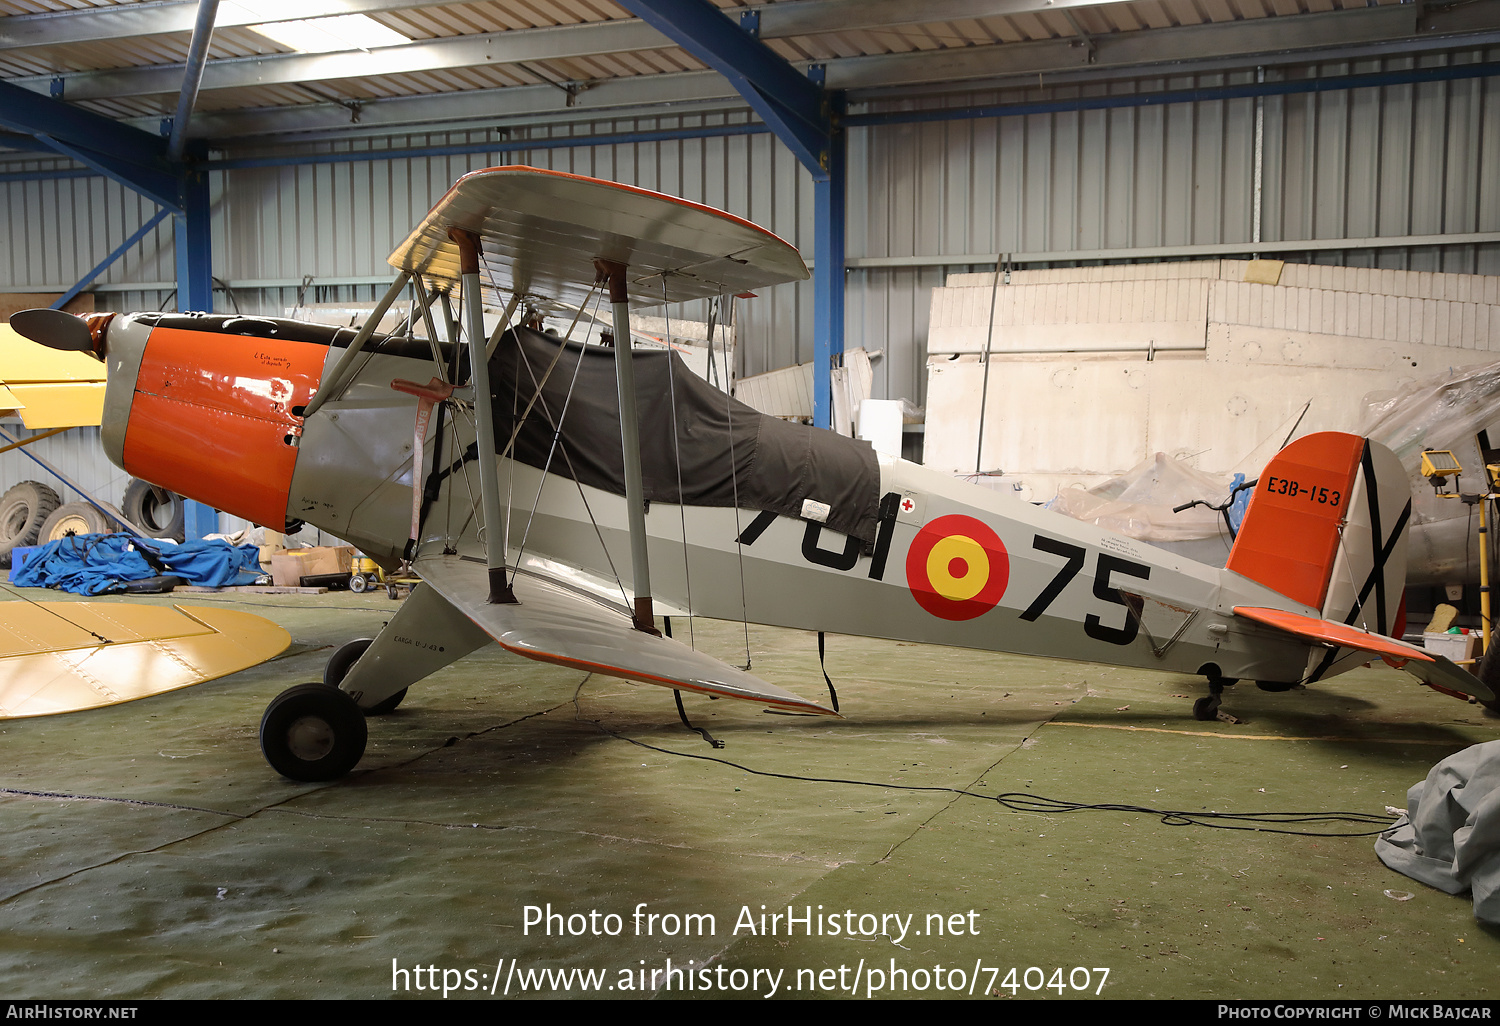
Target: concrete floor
(152,853)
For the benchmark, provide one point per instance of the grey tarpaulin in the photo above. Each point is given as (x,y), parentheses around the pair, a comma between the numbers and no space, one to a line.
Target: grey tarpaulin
(1450,835)
(728,450)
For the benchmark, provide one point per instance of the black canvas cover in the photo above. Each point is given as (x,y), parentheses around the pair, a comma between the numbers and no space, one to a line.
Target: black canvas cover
(728,451)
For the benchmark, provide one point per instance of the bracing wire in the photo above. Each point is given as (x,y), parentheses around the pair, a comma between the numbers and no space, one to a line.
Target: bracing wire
(562,417)
(573,472)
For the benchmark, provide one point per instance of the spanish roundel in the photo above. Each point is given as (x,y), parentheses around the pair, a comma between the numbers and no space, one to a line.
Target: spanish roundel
(957,568)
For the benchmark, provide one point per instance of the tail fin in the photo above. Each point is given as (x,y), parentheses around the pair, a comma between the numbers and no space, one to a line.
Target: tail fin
(1327,527)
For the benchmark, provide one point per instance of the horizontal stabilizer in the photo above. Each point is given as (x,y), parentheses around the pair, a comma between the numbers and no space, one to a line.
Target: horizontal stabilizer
(58,657)
(1436,671)
(555,624)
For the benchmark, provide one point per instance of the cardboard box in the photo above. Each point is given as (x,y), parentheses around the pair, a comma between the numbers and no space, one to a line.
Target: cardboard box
(289,566)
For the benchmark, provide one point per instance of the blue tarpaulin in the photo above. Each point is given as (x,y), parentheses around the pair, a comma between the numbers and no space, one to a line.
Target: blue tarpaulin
(92,564)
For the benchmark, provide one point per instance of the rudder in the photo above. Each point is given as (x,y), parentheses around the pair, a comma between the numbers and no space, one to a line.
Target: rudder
(1327,528)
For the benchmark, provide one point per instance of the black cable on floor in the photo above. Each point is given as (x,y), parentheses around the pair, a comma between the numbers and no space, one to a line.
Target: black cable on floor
(1259,822)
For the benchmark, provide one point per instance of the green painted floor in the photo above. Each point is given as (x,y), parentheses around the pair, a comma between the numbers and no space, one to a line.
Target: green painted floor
(151,852)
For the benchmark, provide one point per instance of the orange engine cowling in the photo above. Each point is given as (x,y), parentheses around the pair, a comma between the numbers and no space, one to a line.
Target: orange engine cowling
(211,417)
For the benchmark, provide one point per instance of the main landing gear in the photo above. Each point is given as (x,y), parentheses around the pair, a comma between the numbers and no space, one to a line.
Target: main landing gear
(313,732)
(338,668)
(317,732)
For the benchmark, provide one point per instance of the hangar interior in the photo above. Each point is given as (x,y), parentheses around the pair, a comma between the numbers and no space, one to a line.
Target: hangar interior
(193,156)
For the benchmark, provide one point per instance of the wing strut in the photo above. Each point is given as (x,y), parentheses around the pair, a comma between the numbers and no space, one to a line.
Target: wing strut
(479,375)
(335,378)
(630,441)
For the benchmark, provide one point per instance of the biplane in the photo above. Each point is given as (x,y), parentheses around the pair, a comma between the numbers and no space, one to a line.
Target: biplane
(499,465)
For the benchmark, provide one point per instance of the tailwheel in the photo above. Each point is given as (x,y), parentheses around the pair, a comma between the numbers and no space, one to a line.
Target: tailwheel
(1207,708)
(312,732)
(338,668)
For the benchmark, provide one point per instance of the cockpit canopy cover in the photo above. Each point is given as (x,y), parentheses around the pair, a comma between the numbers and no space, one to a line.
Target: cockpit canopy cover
(731,455)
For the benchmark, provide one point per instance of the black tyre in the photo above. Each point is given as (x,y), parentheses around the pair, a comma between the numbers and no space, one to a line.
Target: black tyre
(312,733)
(338,668)
(359,583)
(72,519)
(162,513)
(1489,674)
(23,511)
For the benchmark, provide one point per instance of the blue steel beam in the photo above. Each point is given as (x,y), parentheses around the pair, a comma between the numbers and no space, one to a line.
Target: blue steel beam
(125,154)
(795,108)
(804,117)
(195,283)
(119,251)
(829,208)
(138,161)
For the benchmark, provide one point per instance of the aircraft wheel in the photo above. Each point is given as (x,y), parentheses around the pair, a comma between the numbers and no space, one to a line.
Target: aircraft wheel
(23,511)
(358,583)
(1206,708)
(338,668)
(1489,673)
(1274,685)
(71,519)
(160,512)
(342,659)
(312,733)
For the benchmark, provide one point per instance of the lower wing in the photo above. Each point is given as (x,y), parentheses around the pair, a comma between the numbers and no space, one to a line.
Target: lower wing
(553,623)
(58,657)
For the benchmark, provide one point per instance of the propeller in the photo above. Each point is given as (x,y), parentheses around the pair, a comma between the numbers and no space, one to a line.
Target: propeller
(54,329)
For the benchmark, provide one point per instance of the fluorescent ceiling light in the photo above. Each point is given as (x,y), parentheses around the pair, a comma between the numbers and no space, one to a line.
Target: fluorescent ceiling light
(326,35)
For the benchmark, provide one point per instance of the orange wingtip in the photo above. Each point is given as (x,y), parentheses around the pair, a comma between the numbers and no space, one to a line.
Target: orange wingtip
(790,704)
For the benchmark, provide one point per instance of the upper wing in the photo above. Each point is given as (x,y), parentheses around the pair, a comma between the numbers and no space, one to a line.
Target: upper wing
(555,624)
(542,230)
(1436,671)
(52,658)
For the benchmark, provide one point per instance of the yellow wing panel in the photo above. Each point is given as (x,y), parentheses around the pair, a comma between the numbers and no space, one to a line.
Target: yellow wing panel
(50,663)
(22,360)
(60,403)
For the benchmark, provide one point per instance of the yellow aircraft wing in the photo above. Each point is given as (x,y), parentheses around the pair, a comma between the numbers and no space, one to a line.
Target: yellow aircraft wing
(46,387)
(58,657)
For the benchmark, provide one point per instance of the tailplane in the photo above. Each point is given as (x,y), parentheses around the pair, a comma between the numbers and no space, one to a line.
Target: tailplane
(1327,528)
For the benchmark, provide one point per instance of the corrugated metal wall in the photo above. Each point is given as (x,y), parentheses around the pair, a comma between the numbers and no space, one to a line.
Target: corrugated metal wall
(1400,159)
(1395,160)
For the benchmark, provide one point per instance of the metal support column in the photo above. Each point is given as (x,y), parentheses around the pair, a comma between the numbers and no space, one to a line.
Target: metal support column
(195,283)
(829,212)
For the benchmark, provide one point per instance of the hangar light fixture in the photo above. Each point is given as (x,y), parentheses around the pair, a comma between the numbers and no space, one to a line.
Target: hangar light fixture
(317,35)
